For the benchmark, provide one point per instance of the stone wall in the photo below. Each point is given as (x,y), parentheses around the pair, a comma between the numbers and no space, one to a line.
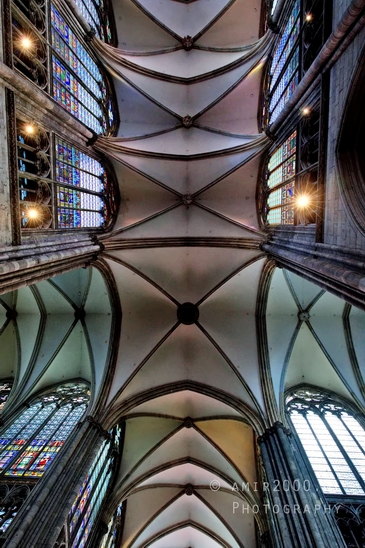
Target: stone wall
(339,229)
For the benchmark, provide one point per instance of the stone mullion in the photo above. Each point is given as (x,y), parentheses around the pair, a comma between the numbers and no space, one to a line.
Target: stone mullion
(305,522)
(40,520)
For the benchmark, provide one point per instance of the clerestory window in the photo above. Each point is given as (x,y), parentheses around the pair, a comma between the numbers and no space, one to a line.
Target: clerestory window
(299,42)
(49,48)
(333,440)
(29,445)
(86,507)
(60,185)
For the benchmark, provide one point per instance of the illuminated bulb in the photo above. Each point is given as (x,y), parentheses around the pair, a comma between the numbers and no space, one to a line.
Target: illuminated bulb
(26,42)
(32,213)
(306,111)
(309,17)
(303,201)
(29,129)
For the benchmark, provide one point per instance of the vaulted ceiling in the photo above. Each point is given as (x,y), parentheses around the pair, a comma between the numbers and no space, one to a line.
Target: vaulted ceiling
(193,394)
(188,157)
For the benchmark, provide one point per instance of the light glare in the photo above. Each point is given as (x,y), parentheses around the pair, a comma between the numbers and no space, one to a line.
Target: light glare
(32,213)
(303,201)
(29,129)
(26,42)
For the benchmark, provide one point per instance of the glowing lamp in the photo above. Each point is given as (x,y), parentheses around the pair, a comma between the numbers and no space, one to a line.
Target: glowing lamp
(309,17)
(306,111)
(29,129)
(303,201)
(33,213)
(26,42)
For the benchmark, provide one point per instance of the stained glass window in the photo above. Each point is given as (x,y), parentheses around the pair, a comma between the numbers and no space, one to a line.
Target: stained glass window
(281,183)
(333,440)
(88,502)
(110,538)
(75,186)
(97,14)
(77,81)
(29,445)
(285,65)
(5,389)
(53,54)
(80,203)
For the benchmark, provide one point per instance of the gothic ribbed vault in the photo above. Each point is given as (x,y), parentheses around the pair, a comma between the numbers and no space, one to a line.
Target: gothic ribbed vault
(188,156)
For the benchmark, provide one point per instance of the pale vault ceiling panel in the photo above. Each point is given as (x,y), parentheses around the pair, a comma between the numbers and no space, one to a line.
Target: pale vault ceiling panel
(142,435)
(147,317)
(140,197)
(183,64)
(326,319)
(181,271)
(71,362)
(308,364)
(9,352)
(192,222)
(186,403)
(184,474)
(57,329)
(188,355)
(74,284)
(236,440)
(187,99)
(137,32)
(239,191)
(142,506)
(306,292)
(182,510)
(225,117)
(140,117)
(188,176)
(182,142)
(229,317)
(238,26)
(243,523)
(281,321)
(184,19)
(357,323)
(189,536)
(189,445)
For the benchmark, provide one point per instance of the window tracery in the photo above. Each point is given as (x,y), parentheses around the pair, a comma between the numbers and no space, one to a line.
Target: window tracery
(56,58)
(300,41)
(333,439)
(60,186)
(292,174)
(98,14)
(111,536)
(30,444)
(89,500)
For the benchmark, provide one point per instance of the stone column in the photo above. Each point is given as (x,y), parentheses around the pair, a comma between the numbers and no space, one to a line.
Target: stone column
(42,516)
(295,506)
(33,262)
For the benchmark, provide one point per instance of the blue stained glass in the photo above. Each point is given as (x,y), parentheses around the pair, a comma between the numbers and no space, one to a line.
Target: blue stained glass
(91,9)
(284,80)
(77,209)
(92,493)
(32,442)
(76,77)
